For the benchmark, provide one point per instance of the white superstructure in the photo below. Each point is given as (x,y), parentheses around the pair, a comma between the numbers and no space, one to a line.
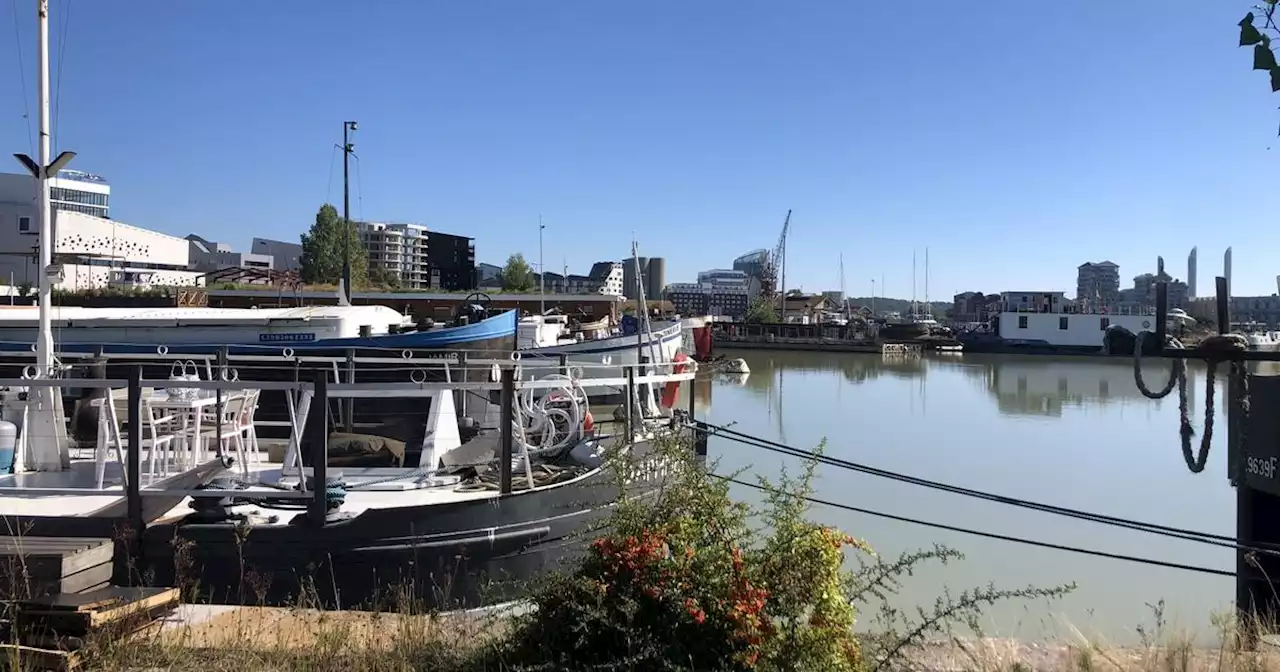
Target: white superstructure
(1068,329)
(175,326)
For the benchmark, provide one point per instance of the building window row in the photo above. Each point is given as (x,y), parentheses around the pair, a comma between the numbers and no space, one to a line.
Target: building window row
(77,196)
(84,209)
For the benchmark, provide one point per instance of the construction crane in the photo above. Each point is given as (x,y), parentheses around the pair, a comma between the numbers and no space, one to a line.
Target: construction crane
(773,279)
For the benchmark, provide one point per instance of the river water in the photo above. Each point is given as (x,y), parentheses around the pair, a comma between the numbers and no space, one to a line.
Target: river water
(1071,432)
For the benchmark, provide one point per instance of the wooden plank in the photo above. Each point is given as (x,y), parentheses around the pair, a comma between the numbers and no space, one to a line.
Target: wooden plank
(62,613)
(52,557)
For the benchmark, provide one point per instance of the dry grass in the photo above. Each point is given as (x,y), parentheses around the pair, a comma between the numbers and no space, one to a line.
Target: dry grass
(265,638)
(261,638)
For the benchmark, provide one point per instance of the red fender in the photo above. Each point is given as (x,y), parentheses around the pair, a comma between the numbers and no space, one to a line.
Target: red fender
(673,387)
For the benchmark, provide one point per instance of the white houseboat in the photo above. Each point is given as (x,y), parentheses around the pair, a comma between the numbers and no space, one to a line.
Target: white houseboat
(1046,322)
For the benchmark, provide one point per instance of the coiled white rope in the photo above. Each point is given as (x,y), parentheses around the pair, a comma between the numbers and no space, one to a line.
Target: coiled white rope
(554,419)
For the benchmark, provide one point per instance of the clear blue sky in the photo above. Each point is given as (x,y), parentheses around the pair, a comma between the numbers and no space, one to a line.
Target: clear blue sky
(1014,139)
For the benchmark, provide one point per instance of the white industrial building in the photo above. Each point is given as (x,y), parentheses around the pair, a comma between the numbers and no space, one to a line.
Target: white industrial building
(94,253)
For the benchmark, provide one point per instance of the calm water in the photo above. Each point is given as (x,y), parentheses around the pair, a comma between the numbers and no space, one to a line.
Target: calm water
(1069,432)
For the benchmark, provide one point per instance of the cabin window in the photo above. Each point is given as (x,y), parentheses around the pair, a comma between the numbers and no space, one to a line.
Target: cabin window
(1062,323)
(588,309)
(1106,322)
(24,224)
(1022,321)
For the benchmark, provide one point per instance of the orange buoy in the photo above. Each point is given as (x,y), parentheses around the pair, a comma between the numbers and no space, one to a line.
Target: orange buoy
(673,387)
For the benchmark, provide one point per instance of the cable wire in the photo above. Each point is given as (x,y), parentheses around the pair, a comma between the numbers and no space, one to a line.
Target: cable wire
(992,535)
(333,159)
(1141,526)
(22,79)
(57,86)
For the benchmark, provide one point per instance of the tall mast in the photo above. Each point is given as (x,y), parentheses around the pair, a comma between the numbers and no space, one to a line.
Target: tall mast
(914,310)
(928,307)
(844,301)
(44,341)
(47,448)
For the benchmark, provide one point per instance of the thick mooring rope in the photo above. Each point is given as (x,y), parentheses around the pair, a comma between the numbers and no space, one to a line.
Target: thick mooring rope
(1219,348)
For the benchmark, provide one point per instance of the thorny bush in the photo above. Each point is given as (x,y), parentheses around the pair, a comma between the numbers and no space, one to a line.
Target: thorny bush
(681,579)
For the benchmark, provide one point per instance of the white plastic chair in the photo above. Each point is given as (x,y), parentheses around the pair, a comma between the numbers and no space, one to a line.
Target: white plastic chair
(157,433)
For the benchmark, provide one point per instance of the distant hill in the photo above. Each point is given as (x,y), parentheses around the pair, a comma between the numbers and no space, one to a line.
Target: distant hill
(903,306)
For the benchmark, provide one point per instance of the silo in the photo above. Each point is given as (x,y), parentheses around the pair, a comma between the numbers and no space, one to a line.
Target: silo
(657,280)
(640,283)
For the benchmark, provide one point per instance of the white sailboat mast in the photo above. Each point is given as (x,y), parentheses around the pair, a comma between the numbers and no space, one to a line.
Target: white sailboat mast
(928,307)
(914,310)
(44,341)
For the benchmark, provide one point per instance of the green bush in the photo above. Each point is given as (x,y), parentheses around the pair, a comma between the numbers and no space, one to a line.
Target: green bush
(687,578)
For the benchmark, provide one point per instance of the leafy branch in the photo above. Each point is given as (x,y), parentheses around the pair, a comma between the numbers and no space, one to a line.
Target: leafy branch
(1264,57)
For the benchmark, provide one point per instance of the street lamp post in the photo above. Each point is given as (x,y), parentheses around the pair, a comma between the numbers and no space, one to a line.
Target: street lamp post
(347,149)
(542,271)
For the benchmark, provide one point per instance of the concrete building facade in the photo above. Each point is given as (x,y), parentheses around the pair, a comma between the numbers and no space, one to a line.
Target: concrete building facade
(206,256)
(284,256)
(1098,284)
(94,253)
(70,191)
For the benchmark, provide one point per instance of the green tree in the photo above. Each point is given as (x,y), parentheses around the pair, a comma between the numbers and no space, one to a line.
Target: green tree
(761,311)
(381,277)
(322,248)
(516,275)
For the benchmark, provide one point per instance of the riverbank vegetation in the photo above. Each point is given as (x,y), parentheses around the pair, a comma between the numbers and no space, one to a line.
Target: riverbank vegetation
(688,579)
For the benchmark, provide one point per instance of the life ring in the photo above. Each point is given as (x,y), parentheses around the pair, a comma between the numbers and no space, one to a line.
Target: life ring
(673,387)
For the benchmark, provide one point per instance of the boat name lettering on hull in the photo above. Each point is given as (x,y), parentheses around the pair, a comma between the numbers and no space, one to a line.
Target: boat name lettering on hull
(286,338)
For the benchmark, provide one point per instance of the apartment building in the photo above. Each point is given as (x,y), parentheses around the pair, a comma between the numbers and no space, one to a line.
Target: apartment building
(1098,283)
(422,259)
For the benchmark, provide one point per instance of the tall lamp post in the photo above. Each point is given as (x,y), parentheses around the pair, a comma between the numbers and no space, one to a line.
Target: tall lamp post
(347,149)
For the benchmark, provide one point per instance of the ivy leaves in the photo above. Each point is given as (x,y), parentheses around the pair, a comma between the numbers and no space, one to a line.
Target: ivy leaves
(1263,57)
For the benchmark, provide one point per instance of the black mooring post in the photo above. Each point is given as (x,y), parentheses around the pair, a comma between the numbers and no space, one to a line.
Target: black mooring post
(507,435)
(1254,449)
(218,401)
(1162,313)
(133,456)
(349,404)
(692,393)
(629,404)
(317,434)
(1224,307)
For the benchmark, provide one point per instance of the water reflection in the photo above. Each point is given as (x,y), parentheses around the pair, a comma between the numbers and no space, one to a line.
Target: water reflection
(854,368)
(1020,385)
(1071,432)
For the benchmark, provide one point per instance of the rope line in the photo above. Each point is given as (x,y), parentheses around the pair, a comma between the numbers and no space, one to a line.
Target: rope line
(1140,526)
(992,535)
(1221,347)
